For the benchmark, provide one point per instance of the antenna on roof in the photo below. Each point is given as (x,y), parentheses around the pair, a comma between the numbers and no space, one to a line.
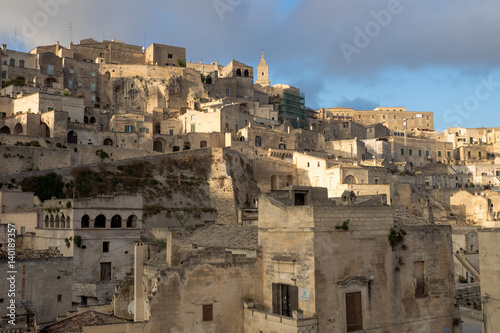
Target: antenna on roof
(70,32)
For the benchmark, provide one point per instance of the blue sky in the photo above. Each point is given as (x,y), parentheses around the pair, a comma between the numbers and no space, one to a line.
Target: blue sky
(440,56)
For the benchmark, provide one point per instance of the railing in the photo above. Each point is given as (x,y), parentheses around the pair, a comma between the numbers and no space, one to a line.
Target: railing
(468,266)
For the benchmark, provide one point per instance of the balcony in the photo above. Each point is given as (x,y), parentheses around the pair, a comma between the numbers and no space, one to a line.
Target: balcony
(257,321)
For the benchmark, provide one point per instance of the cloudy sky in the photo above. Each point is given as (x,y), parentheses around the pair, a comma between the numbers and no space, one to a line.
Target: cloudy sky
(441,56)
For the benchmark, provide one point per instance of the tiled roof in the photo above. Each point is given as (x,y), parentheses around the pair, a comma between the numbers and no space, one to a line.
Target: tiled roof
(225,236)
(25,255)
(75,323)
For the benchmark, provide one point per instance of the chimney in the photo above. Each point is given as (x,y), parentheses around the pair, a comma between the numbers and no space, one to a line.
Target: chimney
(173,249)
(138,286)
(57,47)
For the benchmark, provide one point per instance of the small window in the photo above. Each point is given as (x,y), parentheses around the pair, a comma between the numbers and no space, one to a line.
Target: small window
(193,127)
(70,84)
(129,129)
(92,86)
(23,230)
(144,130)
(170,56)
(419,153)
(208,312)
(171,132)
(4,75)
(410,152)
(419,278)
(71,71)
(92,74)
(59,298)
(105,246)
(13,62)
(50,69)
(105,271)
(439,153)
(227,92)
(21,63)
(448,153)
(93,98)
(258,141)
(79,84)
(354,315)
(402,151)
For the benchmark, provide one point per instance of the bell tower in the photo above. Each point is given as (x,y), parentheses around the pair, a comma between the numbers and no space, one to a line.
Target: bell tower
(263,73)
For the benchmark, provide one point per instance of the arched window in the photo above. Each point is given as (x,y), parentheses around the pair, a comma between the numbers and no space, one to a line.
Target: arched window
(176,148)
(72,137)
(350,180)
(107,142)
(67,221)
(62,221)
(18,129)
(85,221)
(132,221)
(5,130)
(203,144)
(51,221)
(238,72)
(46,221)
(100,221)
(187,146)
(247,74)
(57,221)
(86,119)
(158,146)
(92,120)
(116,221)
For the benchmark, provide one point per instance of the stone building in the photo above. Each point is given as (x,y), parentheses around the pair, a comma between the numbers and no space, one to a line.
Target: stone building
(43,282)
(489,240)
(98,233)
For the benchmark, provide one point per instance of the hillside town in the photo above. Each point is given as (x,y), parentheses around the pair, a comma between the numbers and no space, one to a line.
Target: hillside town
(144,193)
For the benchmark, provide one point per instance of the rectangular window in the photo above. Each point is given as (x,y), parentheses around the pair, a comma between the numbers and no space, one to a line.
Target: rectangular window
(92,86)
(50,69)
(144,130)
(21,63)
(402,151)
(410,152)
(192,128)
(353,309)
(171,132)
(129,129)
(105,246)
(468,154)
(170,56)
(4,75)
(227,92)
(419,278)
(448,154)
(70,84)
(285,299)
(105,271)
(123,145)
(79,84)
(23,230)
(92,74)
(426,153)
(71,71)
(59,298)
(93,98)
(419,152)
(12,62)
(439,153)
(208,312)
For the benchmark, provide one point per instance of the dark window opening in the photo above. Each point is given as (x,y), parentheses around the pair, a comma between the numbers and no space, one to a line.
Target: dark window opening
(85,221)
(208,312)
(300,199)
(59,298)
(105,271)
(354,317)
(116,221)
(100,221)
(105,246)
(285,299)
(418,275)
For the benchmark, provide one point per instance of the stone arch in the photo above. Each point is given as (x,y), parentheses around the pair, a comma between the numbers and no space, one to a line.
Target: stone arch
(203,144)
(85,222)
(107,142)
(350,180)
(68,220)
(18,129)
(57,221)
(92,120)
(100,221)
(51,221)
(116,221)
(187,146)
(72,137)
(246,73)
(314,127)
(275,182)
(45,130)
(46,221)
(158,146)
(107,75)
(63,221)
(242,138)
(5,130)
(86,119)
(132,221)
(238,72)
(289,180)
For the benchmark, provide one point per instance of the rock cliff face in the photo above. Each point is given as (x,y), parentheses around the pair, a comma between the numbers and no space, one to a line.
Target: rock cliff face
(136,94)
